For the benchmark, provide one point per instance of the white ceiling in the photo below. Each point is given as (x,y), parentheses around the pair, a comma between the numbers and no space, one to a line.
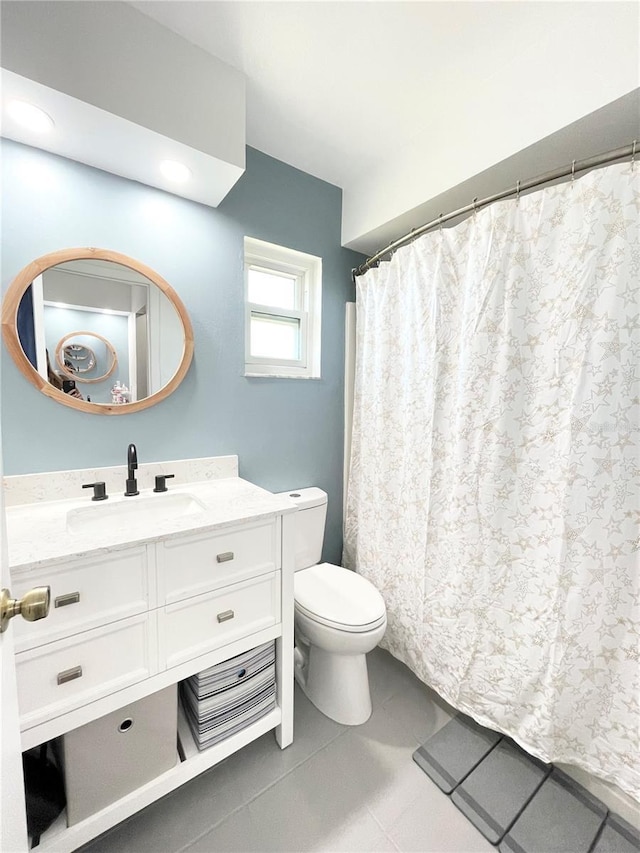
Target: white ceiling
(357,92)
(412,108)
(334,87)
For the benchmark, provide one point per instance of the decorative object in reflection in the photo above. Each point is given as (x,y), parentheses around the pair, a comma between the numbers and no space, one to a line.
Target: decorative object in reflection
(123,308)
(79,357)
(120,394)
(74,357)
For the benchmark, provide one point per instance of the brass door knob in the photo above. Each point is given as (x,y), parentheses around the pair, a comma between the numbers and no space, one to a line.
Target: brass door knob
(32,606)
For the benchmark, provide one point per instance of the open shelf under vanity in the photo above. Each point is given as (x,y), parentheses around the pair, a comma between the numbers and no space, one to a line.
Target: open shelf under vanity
(190,762)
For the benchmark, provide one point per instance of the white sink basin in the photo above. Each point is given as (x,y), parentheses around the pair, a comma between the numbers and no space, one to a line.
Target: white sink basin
(132,512)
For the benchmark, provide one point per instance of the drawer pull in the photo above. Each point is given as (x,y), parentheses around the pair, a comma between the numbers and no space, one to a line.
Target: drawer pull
(69,674)
(225,557)
(67,598)
(225,615)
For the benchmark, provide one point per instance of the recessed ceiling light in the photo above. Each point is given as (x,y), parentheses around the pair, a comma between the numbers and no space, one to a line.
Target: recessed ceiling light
(174,171)
(30,116)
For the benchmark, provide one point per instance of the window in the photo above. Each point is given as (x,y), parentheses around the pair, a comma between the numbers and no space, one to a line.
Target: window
(283,297)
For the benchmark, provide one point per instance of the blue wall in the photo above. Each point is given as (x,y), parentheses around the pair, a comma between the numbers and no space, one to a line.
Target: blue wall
(287,433)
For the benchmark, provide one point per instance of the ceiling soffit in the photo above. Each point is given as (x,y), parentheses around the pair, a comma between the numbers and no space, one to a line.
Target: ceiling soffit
(124,93)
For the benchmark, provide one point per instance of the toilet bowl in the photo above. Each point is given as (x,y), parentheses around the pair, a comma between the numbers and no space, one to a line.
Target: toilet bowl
(339,617)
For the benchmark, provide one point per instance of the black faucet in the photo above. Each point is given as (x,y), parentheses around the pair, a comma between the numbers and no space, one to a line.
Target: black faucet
(132,462)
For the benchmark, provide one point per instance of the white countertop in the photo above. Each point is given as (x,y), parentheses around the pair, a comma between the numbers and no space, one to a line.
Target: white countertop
(38,533)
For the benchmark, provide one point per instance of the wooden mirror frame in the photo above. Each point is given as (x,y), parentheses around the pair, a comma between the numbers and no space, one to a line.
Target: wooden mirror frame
(75,375)
(22,282)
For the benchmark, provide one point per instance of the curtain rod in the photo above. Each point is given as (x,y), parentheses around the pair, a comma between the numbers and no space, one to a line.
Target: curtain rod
(521,186)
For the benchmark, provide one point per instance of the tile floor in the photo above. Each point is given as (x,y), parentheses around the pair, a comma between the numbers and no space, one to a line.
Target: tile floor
(336,788)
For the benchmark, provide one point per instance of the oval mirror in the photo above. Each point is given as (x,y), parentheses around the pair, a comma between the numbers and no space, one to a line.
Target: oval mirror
(76,359)
(97,331)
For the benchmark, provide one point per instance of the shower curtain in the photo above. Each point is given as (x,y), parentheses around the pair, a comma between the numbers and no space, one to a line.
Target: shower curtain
(493,489)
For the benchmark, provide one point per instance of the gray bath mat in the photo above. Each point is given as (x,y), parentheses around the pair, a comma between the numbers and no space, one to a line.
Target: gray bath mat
(493,795)
(451,754)
(617,836)
(561,817)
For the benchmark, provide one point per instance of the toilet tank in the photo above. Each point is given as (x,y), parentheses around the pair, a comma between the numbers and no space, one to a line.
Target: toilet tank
(310,519)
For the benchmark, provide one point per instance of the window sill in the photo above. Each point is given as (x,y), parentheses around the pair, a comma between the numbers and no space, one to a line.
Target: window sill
(278,376)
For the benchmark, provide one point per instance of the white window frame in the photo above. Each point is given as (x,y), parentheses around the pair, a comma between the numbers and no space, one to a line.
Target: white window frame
(307,272)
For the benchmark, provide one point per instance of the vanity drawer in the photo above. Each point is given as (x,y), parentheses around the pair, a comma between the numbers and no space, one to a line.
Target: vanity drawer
(189,567)
(65,675)
(197,625)
(84,595)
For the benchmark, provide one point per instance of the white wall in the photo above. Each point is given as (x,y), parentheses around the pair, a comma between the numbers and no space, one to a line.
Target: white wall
(587,57)
(88,291)
(166,340)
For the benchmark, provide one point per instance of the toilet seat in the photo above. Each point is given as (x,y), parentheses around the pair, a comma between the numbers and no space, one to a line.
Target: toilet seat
(338,598)
(341,626)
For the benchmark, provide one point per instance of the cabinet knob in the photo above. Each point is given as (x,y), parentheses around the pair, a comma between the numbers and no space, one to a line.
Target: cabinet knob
(66,599)
(224,557)
(69,674)
(225,615)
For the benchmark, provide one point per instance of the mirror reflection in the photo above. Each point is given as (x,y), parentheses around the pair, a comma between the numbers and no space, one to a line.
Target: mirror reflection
(77,361)
(77,356)
(100,331)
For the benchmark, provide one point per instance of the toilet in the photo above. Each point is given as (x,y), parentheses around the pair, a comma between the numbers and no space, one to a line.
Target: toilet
(339,617)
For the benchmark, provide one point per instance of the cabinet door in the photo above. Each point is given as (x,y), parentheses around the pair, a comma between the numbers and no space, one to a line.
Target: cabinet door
(197,625)
(85,594)
(65,675)
(189,567)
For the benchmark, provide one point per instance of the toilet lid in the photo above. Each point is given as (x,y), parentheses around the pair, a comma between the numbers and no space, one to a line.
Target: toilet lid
(340,597)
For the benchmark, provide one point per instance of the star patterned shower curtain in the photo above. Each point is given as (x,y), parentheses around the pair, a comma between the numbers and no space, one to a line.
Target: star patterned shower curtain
(493,490)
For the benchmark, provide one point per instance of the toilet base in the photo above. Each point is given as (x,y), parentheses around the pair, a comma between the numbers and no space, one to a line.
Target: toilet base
(337,684)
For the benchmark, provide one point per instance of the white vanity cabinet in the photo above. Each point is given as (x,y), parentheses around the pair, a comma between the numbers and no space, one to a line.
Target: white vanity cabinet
(86,593)
(60,677)
(195,626)
(126,624)
(188,567)
(216,589)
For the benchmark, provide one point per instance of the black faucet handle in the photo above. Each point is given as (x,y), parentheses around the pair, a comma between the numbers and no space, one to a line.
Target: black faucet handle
(161,485)
(99,491)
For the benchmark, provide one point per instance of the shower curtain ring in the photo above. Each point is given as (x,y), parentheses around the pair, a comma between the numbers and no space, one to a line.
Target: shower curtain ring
(440,221)
(517,192)
(573,171)
(475,205)
(633,155)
